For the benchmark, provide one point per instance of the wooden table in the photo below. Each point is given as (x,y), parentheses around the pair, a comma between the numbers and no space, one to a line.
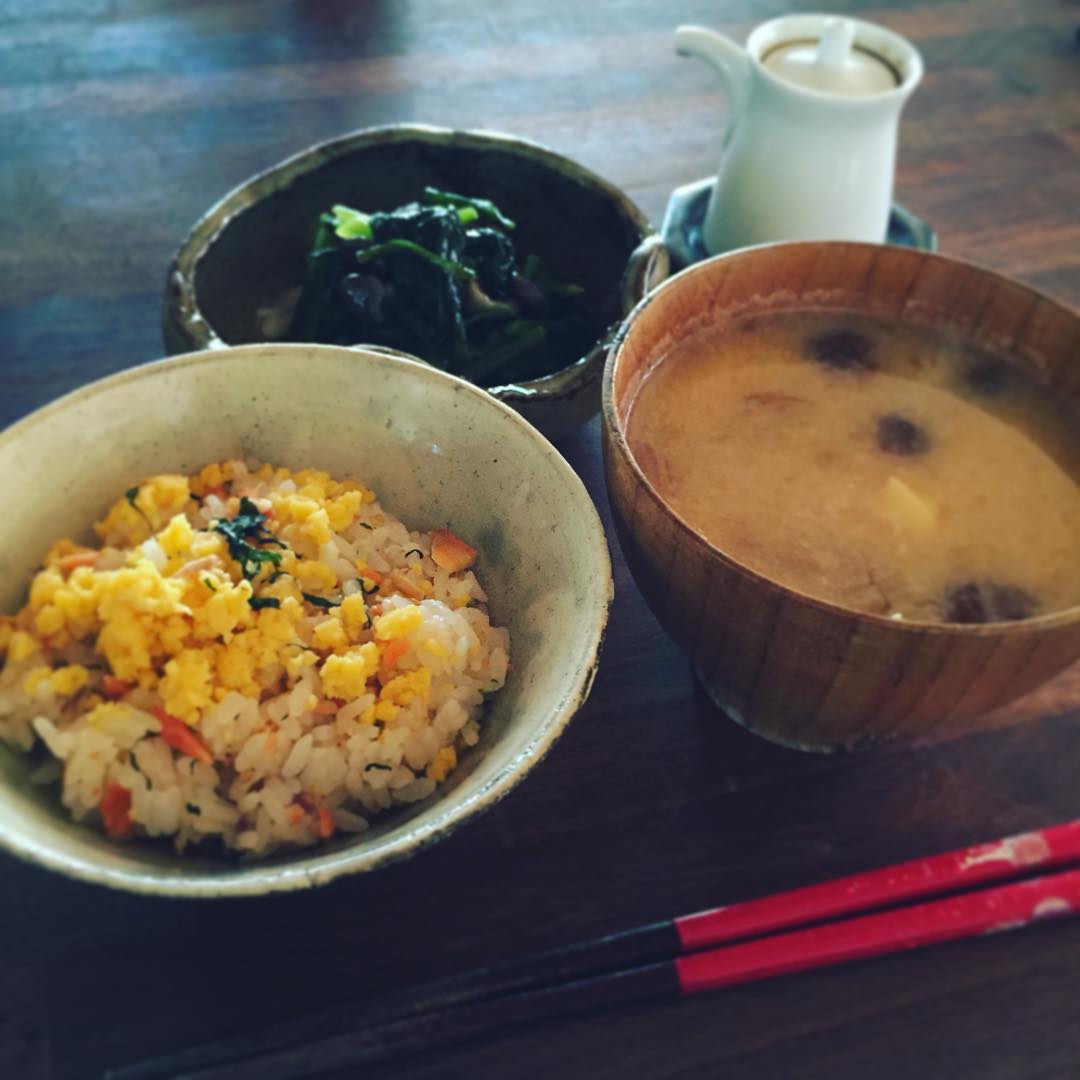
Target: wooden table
(120,121)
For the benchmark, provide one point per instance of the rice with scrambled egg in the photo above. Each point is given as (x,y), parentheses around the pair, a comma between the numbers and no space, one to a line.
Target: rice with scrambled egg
(253,655)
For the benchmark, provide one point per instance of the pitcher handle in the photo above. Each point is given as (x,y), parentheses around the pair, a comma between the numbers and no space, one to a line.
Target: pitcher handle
(727,58)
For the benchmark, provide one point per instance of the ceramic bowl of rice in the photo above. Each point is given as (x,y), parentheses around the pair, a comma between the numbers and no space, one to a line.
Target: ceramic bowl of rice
(274,614)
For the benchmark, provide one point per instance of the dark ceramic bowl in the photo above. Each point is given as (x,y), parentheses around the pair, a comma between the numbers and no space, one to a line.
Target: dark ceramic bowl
(250,249)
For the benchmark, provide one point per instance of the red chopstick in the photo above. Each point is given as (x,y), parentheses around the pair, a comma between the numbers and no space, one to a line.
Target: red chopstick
(851,918)
(1006,907)
(999,860)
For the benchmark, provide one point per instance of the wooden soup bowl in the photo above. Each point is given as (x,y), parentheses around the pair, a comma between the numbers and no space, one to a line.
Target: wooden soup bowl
(797,670)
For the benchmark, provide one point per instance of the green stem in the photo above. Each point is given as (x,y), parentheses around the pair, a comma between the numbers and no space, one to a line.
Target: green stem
(484,207)
(490,362)
(462,273)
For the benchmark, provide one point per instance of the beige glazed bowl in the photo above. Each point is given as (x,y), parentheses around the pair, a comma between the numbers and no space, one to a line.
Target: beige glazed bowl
(434,448)
(250,248)
(794,669)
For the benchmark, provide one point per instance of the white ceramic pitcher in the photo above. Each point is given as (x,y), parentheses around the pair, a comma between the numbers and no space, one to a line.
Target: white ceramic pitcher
(810,148)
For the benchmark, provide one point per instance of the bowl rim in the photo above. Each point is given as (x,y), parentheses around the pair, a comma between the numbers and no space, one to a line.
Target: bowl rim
(310,867)
(181,305)
(617,436)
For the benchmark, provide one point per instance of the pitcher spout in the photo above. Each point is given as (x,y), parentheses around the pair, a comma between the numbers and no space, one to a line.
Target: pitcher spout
(726,57)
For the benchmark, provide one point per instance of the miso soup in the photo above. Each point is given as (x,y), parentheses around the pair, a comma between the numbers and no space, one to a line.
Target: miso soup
(879,466)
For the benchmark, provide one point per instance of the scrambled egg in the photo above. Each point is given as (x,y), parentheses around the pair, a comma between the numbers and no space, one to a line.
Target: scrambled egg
(346,676)
(398,623)
(245,603)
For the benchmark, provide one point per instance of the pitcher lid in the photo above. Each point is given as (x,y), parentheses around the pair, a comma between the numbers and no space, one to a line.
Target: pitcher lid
(832,63)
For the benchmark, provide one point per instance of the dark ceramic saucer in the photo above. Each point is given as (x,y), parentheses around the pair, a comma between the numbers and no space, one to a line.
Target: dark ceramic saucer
(685,215)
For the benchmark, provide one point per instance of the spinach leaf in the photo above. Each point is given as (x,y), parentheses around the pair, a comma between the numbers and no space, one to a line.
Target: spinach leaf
(485,208)
(492,253)
(243,532)
(425,304)
(439,277)
(314,317)
(504,345)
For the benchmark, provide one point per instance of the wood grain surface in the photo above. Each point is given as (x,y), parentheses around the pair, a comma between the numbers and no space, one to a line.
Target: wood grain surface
(120,122)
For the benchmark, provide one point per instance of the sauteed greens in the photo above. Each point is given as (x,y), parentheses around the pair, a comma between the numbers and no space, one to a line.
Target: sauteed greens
(440,278)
